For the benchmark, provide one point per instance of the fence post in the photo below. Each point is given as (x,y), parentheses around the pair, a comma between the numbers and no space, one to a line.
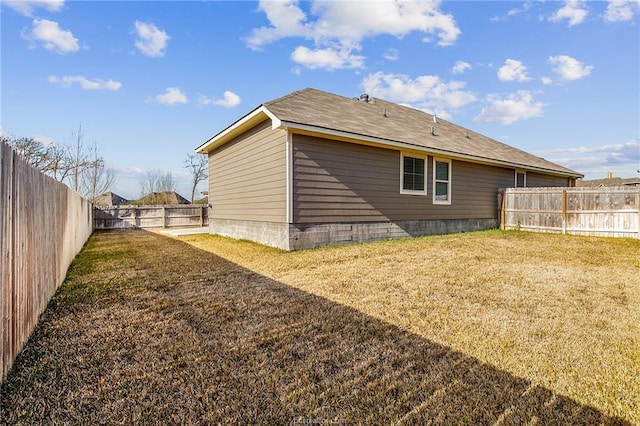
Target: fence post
(564,211)
(164,217)
(501,202)
(201,216)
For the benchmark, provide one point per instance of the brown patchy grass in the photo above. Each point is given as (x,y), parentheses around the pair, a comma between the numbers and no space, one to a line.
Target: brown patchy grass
(482,328)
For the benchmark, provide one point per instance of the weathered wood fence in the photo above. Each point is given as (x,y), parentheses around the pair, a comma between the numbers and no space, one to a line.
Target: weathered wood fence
(609,212)
(43,225)
(164,216)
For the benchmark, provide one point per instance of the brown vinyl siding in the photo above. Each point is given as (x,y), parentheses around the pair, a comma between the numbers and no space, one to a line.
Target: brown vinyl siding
(247,176)
(475,190)
(541,180)
(338,182)
(341,182)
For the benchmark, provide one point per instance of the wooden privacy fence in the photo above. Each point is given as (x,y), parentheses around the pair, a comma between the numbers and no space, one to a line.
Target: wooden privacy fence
(608,212)
(165,216)
(43,225)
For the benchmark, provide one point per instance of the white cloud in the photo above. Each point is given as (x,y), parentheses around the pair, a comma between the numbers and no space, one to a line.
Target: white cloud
(515,107)
(85,83)
(621,10)
(547,80)
(513,70)
(44,140)
(621,152)
(350,22)
(287,20)
(622,158)
(625,153)
(460,67)
(339,27)
(525,6)
(229,100)
(427,92)
(27,7)
(129,171)
(326,58)
(172,96)
(574,11)
(392,55)
(151,40)
(51,36)
(568,68)
(513,12)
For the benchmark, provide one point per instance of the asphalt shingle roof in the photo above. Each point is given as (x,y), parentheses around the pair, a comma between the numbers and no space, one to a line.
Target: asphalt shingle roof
(396,123)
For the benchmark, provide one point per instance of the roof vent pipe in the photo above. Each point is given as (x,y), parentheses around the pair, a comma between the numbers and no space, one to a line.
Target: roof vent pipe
(364,97)
(433,130)
(435,119)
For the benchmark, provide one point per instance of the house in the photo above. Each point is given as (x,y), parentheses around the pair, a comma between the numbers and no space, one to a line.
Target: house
(109,199)
(609,181)
(162,198)
(312,168)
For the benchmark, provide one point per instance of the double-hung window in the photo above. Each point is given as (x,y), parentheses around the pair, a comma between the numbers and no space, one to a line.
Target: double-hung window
(413,175)
(521,179)
(441,181)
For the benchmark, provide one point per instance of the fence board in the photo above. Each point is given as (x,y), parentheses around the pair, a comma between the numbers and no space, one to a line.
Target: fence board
(43,225)
(610,212)
(163,216)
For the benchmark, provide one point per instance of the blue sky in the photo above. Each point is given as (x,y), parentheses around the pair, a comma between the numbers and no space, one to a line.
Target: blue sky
(149,81)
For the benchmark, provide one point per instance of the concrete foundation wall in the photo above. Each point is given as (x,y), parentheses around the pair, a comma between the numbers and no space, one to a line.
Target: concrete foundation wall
(309,236)
(297,237)
(271,234)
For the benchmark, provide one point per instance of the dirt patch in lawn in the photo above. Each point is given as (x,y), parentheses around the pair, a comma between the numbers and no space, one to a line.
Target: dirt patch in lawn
(149,329)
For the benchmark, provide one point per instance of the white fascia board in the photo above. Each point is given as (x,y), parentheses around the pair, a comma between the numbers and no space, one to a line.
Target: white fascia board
(249,120)
(387,143)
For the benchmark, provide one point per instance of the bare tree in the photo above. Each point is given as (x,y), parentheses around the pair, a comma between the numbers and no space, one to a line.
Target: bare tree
(32,151)
(78,158)
(155,182)
(150,183)
(57,162)
(50,159)
(197,165)
(78,165)
(96,179)
(166,182)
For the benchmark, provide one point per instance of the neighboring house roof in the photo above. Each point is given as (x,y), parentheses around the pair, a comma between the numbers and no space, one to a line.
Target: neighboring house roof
(166,197)
(609,182)
(110,199)
(381,123)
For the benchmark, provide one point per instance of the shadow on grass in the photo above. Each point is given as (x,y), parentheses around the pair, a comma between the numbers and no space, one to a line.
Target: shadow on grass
(173,334)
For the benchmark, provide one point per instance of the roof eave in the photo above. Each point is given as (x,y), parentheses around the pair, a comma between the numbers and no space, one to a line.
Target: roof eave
(243,124)
(371,140)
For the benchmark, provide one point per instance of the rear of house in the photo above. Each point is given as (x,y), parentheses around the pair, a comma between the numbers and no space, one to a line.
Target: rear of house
(313,168)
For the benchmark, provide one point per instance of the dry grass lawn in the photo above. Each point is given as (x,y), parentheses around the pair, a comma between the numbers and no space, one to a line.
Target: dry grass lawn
(481,328)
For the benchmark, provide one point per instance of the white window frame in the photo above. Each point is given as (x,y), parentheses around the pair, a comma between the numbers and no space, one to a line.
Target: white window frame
(411,191)
(522,172)
(449,182)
